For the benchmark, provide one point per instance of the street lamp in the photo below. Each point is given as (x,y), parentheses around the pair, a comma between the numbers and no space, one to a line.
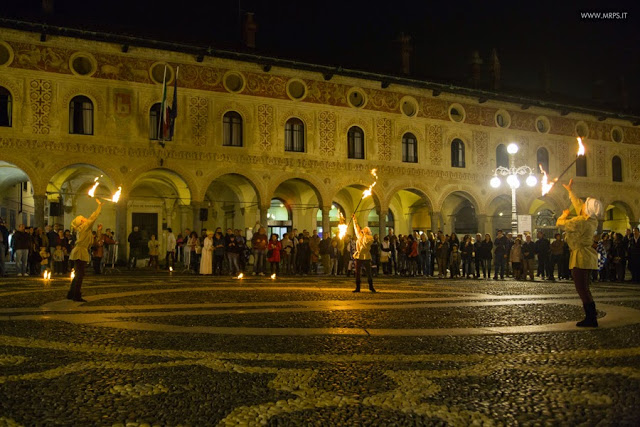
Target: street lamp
(512,173)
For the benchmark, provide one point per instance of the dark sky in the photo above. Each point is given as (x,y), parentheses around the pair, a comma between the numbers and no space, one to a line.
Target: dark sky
(359,34)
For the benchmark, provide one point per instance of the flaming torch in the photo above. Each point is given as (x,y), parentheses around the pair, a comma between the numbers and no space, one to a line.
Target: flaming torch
(116,196)
(581,152)
(342,227)
(366,193)
(92,191)
(546,185)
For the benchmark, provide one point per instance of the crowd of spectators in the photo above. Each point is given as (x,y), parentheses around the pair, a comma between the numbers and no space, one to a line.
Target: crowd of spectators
(214,252)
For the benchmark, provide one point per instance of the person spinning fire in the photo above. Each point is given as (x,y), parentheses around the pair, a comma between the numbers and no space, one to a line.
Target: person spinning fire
(580,231)
(362,255)
(80,252)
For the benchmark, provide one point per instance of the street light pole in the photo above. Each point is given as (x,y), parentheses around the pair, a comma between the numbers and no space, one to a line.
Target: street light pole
(512,173)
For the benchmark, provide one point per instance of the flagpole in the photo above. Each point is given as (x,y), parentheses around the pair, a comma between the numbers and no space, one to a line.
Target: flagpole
(164,82)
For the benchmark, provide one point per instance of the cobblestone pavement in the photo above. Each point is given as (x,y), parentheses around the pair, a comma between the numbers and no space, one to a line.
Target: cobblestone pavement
(185,350)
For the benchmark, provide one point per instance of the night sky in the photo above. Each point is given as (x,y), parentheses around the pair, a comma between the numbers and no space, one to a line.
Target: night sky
(362,35)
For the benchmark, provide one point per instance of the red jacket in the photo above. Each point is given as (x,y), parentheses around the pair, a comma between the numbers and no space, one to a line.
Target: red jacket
(275,251)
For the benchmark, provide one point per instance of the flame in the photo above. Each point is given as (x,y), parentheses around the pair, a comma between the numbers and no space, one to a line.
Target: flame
(92,192)
(273,276)
(46,275)
(342,227)
(170,269)
(367,192)
(116,196)
(73,274)
(580,147)
(343,230)
(546,185)
(240,276)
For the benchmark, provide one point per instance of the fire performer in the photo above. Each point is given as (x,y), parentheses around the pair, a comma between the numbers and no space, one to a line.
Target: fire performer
(580,231)
(80,252)
(362,256)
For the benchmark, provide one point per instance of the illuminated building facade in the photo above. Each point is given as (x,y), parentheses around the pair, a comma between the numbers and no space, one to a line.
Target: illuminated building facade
(281,143)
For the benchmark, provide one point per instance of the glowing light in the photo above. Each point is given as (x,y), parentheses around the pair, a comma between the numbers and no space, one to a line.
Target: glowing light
(273,276)
(495,182)
(580,147)
(546,185)
(240,276)
(531,181)
(46,275)
(116,196)
(367,192)
(281,205)
(512,148)
(92,191)
(170,269)
(73,273)
(513,181)
(342,227)
(500,214)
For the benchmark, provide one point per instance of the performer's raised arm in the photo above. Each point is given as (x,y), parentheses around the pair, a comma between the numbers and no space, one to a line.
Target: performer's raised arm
(94,216)
(356,227)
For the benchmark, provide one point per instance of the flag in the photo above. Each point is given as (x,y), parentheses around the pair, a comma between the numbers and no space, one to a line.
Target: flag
(174,106)
(163,107)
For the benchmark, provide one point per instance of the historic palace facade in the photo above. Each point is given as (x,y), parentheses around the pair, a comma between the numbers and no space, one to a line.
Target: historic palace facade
(287,146)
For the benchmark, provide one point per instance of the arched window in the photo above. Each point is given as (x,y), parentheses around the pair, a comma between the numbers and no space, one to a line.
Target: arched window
(581,166)
(5,107)
(616,167)
(154,121)
(81,116)
(294,135)
(502,156)
(457,153)
(542,157)
(409,148)
(232,126)
(355,143)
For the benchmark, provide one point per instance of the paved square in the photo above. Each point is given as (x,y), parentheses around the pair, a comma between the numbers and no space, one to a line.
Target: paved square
(187,350)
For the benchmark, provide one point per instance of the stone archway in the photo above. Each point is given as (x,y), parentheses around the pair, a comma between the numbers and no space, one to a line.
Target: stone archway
(232,201)
(68,190)
(414,211)
(16,196)
(460,213)
(303,199)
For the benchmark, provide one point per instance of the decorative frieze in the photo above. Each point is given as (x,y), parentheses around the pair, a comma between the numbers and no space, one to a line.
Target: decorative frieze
(40,96)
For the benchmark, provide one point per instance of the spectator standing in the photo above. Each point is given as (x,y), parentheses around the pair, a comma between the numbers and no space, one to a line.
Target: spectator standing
(259,243)
(273,253)
(501,255)
(154,252)
(618,256)
(21,244)
(633,255)
(543,251)
(442,254)
(424,248)
(135,242)
(485,254)
(170,257)
(528,258)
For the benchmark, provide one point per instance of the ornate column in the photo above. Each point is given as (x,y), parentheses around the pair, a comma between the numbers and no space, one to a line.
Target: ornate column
(326,221)
(38,209)
(482,223)
(382,223)
(121,229)
(184,217)
(436,221)
(264,209)
(195,209)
